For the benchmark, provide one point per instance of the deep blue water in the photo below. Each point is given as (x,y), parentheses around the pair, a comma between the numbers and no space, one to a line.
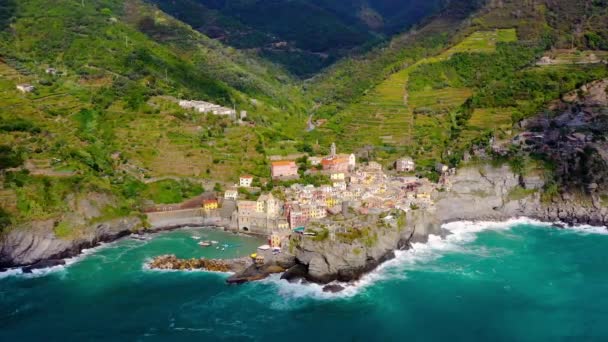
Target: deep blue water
(499,282)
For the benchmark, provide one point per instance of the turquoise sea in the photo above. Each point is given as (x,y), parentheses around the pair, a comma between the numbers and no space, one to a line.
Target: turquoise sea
(515,281)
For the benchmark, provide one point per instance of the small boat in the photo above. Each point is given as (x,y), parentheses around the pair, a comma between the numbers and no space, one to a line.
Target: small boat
(204,243)
(213,242)
(196,237)
(223,248)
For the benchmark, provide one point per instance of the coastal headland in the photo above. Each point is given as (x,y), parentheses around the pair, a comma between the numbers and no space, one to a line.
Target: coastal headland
(482,192)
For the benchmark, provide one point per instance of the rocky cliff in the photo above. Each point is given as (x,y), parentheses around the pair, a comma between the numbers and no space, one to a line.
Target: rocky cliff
(496,193)
(336,258)
(38,242)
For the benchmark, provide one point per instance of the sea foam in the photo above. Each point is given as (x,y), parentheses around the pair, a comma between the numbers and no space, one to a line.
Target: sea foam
(461,233)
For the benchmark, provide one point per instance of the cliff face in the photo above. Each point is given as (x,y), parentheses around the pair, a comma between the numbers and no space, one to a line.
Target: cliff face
(38,242)
(334,259)
(496,193)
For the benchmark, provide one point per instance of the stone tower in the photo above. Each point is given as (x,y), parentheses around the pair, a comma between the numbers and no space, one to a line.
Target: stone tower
(332,152)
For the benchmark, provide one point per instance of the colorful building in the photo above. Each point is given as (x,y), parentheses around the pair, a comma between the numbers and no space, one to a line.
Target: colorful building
(275,240)
(210,204)
(284,169)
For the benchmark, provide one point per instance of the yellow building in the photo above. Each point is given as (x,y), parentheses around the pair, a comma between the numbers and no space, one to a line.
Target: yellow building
(275,240)
(210,204)
(330,201)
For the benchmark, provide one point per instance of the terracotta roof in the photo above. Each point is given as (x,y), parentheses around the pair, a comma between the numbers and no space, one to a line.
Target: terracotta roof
(283,163)
(209,201)
(246,176)
(334,161)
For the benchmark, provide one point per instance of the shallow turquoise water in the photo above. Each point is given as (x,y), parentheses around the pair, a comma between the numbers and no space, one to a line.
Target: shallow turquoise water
(520,282)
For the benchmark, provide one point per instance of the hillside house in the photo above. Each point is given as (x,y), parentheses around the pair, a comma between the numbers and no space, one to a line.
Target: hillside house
(405,165)
(245,181)
(51,71)
(284,169)
(207,107)
(441,168)
(26,88)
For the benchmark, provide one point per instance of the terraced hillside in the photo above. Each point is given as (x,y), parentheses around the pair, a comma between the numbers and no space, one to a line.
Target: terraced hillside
(438,103)
(103,115)
(416,121)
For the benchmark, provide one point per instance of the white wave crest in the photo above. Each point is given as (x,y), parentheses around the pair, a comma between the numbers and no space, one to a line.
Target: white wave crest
(461,234)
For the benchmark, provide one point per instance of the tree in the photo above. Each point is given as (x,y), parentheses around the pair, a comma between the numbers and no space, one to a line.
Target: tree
(9,158)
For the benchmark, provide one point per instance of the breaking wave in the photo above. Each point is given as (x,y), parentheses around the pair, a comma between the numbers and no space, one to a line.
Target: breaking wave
(461,233)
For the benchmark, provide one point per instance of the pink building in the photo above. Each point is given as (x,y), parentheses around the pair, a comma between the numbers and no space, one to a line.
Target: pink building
(284,169)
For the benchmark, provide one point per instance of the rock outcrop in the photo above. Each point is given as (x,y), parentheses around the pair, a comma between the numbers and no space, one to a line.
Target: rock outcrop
(171,262)
(37,242)
(272,263)
(494,193)
(334,259)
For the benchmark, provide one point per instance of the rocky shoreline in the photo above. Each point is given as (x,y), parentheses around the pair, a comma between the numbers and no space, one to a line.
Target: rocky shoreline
(478,193)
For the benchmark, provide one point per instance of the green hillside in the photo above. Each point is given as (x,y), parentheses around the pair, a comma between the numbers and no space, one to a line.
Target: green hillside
(304,36)
(108,120)
(453,89)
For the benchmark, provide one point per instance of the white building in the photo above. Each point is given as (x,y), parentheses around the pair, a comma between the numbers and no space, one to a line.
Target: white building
(245,181)
(207,107)
(405,165)
(231,194)
(337,176)
(25,88)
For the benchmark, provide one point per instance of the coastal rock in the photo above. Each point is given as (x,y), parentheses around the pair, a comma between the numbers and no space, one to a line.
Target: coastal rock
(487,193)
(335,260)
(253,273)
(273,263)
(43,264)
(171,262)
(333,288)
(36,241)
(295,273)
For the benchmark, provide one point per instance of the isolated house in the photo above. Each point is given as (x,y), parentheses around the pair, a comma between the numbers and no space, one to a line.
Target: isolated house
(246,181)
(25,88)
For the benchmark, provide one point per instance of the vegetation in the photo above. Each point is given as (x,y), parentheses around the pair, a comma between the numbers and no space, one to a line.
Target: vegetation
(171,191)
(285,34)
(109,120)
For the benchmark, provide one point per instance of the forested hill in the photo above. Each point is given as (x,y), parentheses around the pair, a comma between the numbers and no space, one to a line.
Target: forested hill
(302,35)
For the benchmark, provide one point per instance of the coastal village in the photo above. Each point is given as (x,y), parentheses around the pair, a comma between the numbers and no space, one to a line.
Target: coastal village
(353,191)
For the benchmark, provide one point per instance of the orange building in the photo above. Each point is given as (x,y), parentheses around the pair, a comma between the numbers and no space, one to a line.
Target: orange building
(210,204)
